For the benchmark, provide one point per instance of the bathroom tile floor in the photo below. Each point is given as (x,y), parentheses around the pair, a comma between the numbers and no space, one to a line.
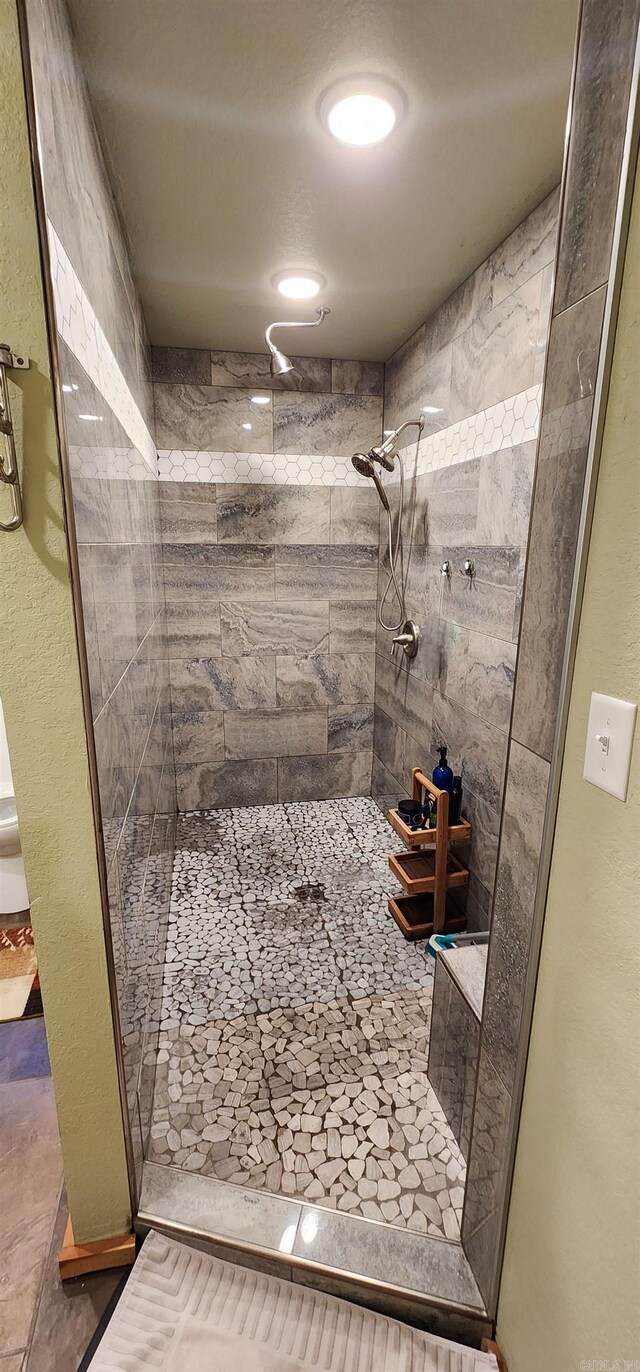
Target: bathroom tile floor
(295,1020)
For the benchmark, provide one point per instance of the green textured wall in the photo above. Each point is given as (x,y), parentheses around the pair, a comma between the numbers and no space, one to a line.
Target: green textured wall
(571,1278)
(40,690)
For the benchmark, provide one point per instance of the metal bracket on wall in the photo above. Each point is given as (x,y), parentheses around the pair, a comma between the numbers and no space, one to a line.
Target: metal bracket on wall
(8,460)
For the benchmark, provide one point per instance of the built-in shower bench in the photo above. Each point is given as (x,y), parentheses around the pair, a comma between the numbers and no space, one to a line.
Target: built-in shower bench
(455,1033)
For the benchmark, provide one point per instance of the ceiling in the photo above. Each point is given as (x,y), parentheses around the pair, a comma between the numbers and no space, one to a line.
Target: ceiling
(224,174)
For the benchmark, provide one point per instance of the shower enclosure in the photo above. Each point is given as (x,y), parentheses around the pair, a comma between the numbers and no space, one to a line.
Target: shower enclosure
(278,628)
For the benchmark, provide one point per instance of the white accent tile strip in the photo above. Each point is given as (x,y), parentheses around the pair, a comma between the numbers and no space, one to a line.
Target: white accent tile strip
(503,425)
(280,469)
(109,464)
(82,332)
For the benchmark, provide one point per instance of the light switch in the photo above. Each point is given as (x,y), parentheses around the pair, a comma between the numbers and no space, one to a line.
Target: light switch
(607,756)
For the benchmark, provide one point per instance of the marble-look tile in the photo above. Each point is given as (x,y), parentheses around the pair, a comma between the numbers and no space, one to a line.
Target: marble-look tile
(442,989)
(481,855)
(13,1362)
(486,602)
(23,1050)
(521,838)
(68,1313)
(471,299)
(468,968)
(486,1176)
(495,357)
(389,743)
(504,498)
(452,643)
(318,424)
(182,364)
(207,786)
(29,1147)
(205,572)
(193,629)
(490,677)
(210,1207)
(294,626)
(604,65)
(477,905)
(350,728)
(322,555)
(378,1253)
(273,514)
(544,322)
(333,679)
(188,511)
(198,735)
(357,378)
(240,683)
(329,583)
(274,733)
(408,700)
(527,250)
(352,626)
(253,369)
(211,418)
(355,516)
(555,519)
(451,518)
(476,750)
(408,390)
(316,778)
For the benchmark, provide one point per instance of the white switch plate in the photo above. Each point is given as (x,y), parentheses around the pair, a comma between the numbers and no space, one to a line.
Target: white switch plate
(607,756)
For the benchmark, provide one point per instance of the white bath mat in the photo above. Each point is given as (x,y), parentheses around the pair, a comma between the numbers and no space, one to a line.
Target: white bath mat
(183,1311)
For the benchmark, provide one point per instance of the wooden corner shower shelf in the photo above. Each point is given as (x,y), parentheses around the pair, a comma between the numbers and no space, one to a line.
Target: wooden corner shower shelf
(428,870)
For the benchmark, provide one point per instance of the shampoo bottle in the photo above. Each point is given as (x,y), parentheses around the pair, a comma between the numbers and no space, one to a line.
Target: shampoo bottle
(442,774)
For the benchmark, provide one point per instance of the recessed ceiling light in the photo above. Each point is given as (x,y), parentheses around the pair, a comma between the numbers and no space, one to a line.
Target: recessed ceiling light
(298,284)
(432,409)
(362,110)
(260,399)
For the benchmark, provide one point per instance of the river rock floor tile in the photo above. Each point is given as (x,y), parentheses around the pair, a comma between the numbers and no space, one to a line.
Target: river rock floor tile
(295,1019)
(327,1103)
(274,906)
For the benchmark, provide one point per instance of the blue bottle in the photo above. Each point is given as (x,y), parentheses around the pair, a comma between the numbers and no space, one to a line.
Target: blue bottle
(442,774)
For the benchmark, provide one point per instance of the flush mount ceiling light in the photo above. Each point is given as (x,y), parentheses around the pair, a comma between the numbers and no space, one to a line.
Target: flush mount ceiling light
(298,284)
(362,110)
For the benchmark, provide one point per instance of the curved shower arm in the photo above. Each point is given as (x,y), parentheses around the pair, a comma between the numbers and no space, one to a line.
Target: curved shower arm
(296,324)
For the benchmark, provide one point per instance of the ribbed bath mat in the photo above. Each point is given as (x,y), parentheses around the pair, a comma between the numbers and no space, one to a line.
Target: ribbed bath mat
(184,1311)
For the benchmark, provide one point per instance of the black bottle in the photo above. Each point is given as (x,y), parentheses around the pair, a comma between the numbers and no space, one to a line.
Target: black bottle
(455,801)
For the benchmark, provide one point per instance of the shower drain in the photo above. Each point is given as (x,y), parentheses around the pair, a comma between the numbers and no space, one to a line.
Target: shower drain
(310,891)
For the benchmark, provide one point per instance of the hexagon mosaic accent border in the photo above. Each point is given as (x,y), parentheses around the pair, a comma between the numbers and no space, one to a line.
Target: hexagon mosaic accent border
(82,332)
(503,425)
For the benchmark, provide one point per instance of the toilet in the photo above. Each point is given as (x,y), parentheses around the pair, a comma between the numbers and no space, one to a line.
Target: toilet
(13,887)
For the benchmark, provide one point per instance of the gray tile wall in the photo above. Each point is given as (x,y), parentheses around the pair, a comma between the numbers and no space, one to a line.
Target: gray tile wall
(600,108)
(272,698)
(117,519)
(271,589)
(484,344)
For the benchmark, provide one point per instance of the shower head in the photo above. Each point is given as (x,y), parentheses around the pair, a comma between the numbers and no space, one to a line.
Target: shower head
(386,452)
(363,464)
(365,467)
(280,363)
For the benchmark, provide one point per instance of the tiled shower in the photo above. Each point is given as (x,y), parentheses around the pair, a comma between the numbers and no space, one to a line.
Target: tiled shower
(252,721)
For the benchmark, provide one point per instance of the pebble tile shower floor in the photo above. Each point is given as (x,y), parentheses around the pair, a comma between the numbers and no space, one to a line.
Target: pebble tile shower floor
(295,1019)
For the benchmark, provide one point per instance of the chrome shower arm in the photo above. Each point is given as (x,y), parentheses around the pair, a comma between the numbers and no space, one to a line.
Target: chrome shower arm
(296,324)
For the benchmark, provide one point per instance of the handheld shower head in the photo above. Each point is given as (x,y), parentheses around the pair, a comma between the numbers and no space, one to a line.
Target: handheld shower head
(280,363)
(365,467)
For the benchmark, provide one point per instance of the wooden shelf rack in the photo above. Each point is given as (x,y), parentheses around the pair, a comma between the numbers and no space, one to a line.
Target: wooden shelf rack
(428,869)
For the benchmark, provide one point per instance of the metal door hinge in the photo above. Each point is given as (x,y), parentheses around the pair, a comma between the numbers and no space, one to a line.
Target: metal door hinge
(8,460)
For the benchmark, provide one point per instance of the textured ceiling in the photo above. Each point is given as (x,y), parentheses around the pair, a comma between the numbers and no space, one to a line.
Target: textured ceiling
(224,174)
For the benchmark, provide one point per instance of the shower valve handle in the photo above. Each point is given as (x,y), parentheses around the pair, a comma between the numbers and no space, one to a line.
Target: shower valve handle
(403,639)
